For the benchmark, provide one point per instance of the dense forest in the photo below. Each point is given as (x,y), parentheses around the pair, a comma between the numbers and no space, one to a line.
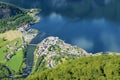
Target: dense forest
(14,22)
(109,9)
(104,67)
(94,67)
(8,10)
(12,17)
(4,72)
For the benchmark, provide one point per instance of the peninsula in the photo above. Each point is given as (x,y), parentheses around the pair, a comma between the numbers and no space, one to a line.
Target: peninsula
(52,58)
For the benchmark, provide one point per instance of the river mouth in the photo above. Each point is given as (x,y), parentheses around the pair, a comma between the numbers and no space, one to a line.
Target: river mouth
(92,25)
(94,31)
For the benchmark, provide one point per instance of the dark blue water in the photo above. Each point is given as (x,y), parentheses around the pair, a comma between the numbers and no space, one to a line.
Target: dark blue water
(92,25)
(93,35)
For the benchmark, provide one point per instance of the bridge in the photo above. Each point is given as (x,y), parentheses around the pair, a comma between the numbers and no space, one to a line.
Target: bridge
(41,36)
(29,54)
(32,44)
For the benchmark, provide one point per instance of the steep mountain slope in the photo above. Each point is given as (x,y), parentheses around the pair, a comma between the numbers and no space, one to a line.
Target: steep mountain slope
(8,10)
(108,9)
(11,17)
(104,67)
(53,51)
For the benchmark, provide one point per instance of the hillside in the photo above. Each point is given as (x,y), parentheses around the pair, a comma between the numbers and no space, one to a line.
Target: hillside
(109,9)
(4,71)
(12,17)
(53,51)
(103,67)
(14,38)
(52,58)
(8,10)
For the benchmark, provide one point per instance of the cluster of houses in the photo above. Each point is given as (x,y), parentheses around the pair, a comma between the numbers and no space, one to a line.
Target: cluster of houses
(27,33)
(12,49)
(47,47)
(45,44)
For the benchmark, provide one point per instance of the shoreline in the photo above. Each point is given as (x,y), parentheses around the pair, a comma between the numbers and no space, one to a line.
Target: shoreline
(26,34)
(29,37)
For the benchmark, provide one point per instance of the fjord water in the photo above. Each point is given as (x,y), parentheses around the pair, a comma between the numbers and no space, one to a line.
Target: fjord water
(92,25)
(94,35)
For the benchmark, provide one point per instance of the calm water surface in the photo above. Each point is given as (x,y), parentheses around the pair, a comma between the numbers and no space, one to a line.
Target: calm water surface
(94,34)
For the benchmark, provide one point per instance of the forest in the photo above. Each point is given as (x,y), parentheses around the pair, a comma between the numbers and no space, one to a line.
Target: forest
(103,67)
(14,22)
(12,17)
(4,72)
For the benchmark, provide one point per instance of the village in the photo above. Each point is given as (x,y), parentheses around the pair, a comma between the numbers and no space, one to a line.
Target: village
(27,34)
(57,51)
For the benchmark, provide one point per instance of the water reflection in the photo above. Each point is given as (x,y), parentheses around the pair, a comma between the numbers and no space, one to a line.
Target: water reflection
(89,24)
(84,43)
(54,16)
(94,35)
(108,9)
(110,41)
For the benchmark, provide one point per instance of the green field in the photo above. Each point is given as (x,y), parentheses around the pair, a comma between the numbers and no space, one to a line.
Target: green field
(16,62)
(11,46)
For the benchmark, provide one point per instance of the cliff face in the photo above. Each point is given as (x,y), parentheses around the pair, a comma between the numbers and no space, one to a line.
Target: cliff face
(7,10)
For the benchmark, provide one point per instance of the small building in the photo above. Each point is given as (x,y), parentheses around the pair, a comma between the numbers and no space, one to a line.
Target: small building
(9,56)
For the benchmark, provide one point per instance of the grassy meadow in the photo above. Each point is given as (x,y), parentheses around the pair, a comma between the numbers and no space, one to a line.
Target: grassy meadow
(11,43)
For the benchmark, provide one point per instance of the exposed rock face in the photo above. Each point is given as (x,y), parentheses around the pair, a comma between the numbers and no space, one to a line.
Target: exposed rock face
(53,51)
